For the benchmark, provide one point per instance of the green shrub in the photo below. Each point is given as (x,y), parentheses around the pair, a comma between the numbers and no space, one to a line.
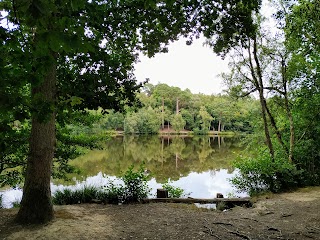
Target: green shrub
(135,185)
(261,174)
(173,192)
(113,193)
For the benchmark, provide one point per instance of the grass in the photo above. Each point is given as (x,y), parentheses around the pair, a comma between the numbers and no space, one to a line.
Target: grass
(84,195)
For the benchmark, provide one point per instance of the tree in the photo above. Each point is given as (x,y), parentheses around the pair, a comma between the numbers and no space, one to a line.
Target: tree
(302,22)
(76,50)
(205,119)
(259,65)
(178,122)
(114,120)
(80,54)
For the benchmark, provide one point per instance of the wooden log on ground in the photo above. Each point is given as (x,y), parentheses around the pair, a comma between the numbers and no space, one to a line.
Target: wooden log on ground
(230,202)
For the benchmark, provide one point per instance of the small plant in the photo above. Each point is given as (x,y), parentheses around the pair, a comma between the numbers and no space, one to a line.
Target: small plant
(16,204)
(134,188)
(221,206)
(135,185)
(174,192)
(112,193)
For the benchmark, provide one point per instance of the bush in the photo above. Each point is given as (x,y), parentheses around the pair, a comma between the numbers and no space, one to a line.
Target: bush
(261,174)
(173,192)
(135,185)
(113,193)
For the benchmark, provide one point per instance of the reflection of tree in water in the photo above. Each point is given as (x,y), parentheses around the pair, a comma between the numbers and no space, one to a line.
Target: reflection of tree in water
(205,149)
(212,173)
(166,157)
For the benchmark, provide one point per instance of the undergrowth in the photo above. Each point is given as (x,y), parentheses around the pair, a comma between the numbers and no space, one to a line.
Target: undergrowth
(174,192)
(133,189)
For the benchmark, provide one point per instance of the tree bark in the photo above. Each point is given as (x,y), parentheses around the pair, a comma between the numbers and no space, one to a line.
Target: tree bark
(258,82)
(177,106)
(162,113)
(288,110)
(276,129)
(36,205)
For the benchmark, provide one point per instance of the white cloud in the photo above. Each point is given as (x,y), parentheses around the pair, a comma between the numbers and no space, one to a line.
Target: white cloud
(195,67)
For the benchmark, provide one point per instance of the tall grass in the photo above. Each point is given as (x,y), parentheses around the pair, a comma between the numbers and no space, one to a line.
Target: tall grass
(84,195)
(133,189)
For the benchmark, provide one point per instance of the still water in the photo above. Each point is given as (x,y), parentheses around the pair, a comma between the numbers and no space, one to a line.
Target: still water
(200,165)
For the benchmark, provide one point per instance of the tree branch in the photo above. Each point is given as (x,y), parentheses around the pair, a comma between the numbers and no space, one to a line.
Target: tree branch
(274,89)
(248,93)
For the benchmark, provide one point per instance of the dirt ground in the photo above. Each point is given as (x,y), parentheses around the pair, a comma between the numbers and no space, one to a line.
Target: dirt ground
(293,215)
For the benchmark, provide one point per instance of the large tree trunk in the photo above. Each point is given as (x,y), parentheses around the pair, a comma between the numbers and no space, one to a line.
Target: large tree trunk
(36,205)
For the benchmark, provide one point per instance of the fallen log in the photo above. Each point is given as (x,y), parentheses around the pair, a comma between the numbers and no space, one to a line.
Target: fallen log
(230,202)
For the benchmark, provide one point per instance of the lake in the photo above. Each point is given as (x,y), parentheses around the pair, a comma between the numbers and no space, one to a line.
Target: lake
(201,165)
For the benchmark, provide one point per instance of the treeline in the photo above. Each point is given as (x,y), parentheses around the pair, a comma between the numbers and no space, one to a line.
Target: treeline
(165,107)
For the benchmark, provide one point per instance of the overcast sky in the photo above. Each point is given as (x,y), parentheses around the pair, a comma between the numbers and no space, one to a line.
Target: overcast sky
(195,67)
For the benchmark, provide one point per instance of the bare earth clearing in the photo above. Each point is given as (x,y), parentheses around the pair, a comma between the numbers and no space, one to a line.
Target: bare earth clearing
(285,216)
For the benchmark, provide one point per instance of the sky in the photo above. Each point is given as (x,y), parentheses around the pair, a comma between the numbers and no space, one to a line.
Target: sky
(194,67)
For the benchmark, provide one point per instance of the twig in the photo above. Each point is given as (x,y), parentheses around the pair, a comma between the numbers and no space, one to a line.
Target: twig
(222,223)
(250,219)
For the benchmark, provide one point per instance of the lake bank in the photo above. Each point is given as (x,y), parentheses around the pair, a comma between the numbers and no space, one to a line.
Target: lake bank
(281,216)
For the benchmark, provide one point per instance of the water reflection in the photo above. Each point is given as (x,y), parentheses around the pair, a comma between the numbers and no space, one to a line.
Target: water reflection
(200,165)
(165,157)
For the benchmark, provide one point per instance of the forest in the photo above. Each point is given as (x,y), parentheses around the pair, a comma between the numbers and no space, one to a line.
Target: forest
(67,78)
(162,107)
